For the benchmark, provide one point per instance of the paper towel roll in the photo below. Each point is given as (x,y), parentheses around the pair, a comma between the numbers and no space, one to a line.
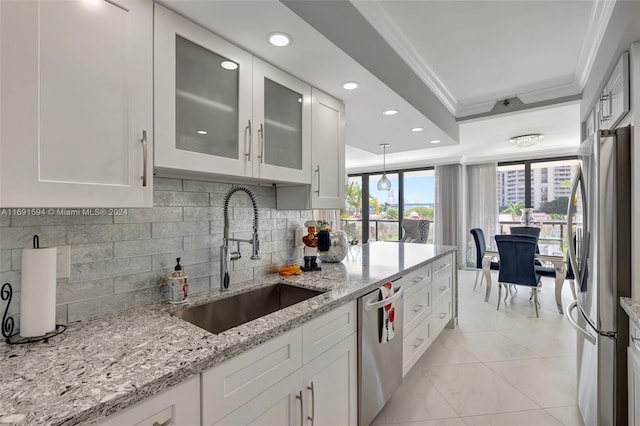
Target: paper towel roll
(38,293)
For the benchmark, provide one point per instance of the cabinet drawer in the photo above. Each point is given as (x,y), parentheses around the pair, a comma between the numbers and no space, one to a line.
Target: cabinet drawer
(417,306)
(323,332)
(442,265)
(178,405)
(237,381)
(441,314)
(441,285)
(414,344)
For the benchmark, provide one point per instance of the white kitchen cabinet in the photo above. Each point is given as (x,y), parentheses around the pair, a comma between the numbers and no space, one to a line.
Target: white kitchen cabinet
(330,383)
(280,405)
(633,371)
(220,111)
(328,159)
(76,104)
(179,405)
(614,100)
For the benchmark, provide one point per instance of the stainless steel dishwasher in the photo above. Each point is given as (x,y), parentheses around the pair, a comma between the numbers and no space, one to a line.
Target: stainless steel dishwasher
(379,364)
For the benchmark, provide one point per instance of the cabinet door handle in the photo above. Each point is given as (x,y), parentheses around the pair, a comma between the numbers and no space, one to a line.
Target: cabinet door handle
(603,99)
(313,404)
(442,315)
(247,150)
(417,308)
(299,396)
(417,279)
(261,133)
(417,343)
(317,191)
(443,288)
(165,423)
(446,265)
(144,157)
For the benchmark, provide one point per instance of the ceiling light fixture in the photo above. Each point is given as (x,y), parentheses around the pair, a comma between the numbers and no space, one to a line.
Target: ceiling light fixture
(279,39)
(384,184)
(417,129)
(229,65)
(390,112)
(201,132)
(524,141)
(435,141)
(351,85)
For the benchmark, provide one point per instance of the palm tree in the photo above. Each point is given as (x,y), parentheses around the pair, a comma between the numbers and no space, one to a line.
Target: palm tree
(514,208)
(353,197)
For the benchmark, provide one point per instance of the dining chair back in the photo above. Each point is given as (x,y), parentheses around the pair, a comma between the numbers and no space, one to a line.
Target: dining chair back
(546,271)
(415,230)
(525,230)
(481,247)
(517,263)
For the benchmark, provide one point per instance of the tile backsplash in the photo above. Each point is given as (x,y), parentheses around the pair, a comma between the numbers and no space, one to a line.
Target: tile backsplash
(123,261)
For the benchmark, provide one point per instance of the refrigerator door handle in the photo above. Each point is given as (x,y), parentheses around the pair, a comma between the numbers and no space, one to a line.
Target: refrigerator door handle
(570,210)
(574,324)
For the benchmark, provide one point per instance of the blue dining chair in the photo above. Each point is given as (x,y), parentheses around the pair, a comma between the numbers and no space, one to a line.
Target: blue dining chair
(528,230)
(517,264)
(481,247)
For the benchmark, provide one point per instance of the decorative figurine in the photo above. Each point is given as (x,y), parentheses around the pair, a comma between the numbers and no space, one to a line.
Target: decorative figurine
(310,247)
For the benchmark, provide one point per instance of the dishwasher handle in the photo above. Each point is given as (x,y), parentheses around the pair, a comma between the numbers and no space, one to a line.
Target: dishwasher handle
(372,304)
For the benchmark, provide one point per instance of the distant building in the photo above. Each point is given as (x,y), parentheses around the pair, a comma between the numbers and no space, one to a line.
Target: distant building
(547,183)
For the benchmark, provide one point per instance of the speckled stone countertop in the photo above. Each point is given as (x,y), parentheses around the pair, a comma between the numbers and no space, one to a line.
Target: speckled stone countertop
(101,366)
(632,308)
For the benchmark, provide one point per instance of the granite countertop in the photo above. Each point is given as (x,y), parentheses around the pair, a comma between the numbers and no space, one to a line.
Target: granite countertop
(632,308)
(101,366)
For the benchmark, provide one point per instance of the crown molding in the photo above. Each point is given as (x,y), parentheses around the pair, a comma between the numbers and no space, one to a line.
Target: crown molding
(598,20)
(378,17)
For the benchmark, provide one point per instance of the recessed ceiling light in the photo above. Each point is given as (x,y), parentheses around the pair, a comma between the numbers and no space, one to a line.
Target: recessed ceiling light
(417,129)
(202,132)
(435,141)
(351,85)
(300,100)
(279,39)
(390,112)
(229,65)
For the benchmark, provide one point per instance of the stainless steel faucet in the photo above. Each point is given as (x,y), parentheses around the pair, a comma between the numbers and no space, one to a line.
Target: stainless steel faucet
(225,251)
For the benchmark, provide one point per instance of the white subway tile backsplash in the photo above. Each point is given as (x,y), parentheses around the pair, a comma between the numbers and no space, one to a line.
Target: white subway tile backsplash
(175,198)
(167,184)
(123,261)
(72,292)
(109,268)
(202,186)
(81,253)
(174,229)
(83,234)
(168,260)
(22,236)
(145,247)
(155,214)
(5,260)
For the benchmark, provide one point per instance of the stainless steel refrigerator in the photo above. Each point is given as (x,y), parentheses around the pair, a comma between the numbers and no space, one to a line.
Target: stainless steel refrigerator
(599,214)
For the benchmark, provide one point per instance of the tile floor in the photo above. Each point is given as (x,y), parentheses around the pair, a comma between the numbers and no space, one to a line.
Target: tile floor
(502,367)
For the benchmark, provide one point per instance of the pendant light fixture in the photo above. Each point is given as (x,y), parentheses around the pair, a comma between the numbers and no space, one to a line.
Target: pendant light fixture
(384,184)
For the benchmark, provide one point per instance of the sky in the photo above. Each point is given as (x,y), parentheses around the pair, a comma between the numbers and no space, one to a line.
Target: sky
(417,190)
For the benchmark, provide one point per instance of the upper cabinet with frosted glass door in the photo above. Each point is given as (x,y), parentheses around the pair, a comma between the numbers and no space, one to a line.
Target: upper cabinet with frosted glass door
(220,111)
(77,103)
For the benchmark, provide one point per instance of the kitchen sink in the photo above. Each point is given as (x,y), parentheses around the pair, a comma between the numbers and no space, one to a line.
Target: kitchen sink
(223,314)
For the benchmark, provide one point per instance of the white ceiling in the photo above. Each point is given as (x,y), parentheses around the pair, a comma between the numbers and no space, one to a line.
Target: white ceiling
(469,53)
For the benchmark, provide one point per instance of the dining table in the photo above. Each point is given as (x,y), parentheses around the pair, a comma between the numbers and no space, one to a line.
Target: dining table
(559,265)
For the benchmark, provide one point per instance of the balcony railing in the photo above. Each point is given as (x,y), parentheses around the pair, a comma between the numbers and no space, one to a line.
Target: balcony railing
(552,241)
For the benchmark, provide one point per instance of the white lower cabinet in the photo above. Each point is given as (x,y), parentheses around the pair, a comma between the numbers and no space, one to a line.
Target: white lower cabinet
(272,385)
(177,406)
(633,374)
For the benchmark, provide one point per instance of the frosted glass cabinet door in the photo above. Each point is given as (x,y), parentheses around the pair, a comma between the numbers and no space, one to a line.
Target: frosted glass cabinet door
(76,100)
(282,111)
(202,99)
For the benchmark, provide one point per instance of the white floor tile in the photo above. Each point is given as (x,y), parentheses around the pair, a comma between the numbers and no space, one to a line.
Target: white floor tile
(519,418)
(445,351)
(492,346)
(416,400)
(474,389)
(569,416)
(545,383)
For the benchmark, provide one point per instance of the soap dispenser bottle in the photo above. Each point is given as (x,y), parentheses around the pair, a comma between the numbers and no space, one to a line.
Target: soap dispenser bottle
(178,285)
